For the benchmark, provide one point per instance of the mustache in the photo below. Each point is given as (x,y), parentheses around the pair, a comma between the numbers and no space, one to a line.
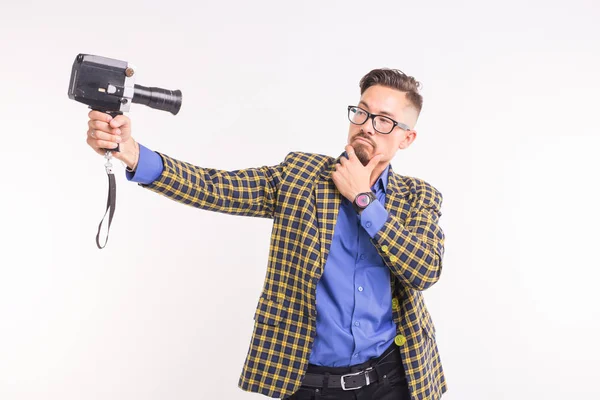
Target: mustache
(365,137)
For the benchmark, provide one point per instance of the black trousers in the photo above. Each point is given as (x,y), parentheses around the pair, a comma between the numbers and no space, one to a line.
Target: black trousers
(391,381)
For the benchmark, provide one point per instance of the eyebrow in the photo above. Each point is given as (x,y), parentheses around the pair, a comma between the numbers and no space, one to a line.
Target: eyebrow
(380,113)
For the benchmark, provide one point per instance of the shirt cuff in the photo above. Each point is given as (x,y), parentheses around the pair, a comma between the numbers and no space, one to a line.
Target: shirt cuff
(149,167)
(373,218)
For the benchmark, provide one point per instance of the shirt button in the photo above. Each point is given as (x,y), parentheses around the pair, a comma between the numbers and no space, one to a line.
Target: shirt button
(356,323)
(393,258)
(384,248)
(362,256)
(360,288)
(394,303)
(400,340)
(368,224)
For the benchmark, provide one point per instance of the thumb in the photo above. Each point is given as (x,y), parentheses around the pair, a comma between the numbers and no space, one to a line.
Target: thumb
(374,161)
(119,121)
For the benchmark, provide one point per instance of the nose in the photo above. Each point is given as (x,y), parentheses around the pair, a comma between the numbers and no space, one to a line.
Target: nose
(367,127)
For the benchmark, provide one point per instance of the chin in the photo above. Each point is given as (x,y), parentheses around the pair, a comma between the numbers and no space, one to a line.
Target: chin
(363,156)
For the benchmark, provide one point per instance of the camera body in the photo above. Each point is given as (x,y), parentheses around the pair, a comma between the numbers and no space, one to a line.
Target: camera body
(102,83)
(108,85)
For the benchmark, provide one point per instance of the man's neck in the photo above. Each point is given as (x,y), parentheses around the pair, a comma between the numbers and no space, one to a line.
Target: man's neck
(377,173)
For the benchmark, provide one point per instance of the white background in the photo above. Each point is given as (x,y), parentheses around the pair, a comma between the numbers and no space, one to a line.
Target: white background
(509,134)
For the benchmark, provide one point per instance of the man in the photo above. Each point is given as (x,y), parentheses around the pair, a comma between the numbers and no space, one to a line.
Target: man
(341,314)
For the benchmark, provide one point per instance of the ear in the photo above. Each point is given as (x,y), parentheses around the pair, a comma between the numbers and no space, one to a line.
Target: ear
(409,137)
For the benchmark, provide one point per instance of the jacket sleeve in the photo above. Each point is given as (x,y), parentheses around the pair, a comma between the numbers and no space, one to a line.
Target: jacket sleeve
(248,192)
(414,250)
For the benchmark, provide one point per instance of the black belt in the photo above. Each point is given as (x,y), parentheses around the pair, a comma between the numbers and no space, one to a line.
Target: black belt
(370,373)
(351,381)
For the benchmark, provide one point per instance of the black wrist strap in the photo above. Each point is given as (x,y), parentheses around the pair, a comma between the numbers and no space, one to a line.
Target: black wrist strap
(110,207)
(111,202)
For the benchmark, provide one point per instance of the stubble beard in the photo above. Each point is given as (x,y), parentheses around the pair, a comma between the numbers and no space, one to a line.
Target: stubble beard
(361,151)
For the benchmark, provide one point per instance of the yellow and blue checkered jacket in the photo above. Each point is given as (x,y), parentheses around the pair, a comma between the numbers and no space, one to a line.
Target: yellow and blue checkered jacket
(301,198)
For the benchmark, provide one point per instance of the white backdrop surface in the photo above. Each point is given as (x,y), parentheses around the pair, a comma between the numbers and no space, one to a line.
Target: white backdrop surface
(508,133)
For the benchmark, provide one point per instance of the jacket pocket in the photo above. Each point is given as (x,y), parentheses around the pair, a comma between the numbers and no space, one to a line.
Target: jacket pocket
(270,310)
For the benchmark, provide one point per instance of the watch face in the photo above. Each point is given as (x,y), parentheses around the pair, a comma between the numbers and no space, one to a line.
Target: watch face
(362,200)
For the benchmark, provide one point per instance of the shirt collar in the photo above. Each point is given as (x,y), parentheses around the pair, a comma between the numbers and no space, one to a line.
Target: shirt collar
(382,181)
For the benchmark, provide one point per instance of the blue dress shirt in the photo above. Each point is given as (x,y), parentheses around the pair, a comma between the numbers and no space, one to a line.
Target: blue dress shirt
(148,169)
(354,301)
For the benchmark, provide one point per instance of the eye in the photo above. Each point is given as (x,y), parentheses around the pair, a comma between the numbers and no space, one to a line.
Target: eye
(384,122)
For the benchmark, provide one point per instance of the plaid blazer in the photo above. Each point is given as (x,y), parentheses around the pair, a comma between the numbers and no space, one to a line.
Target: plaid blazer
(301,198)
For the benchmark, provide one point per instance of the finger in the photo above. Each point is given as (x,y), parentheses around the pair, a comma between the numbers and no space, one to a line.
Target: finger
(100,135)
(98,125)
(119,121)
(350,151)
(100,116)
(103,144)
(335,176)
(103,126)
(99,145)
(374,161)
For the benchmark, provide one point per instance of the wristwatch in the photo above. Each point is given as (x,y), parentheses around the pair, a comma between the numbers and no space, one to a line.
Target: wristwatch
(362,200)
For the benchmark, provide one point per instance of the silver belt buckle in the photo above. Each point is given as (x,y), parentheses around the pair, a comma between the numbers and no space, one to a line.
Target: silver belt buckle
(365,372)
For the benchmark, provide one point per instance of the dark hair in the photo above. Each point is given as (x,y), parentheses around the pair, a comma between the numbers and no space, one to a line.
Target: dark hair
(395,79)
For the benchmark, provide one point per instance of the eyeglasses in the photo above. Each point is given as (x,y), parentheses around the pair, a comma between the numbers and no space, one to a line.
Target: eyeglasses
(381,123)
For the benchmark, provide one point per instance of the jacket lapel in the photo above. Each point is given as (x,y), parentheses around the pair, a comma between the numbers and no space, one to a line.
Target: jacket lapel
(395,191)
(328,200)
